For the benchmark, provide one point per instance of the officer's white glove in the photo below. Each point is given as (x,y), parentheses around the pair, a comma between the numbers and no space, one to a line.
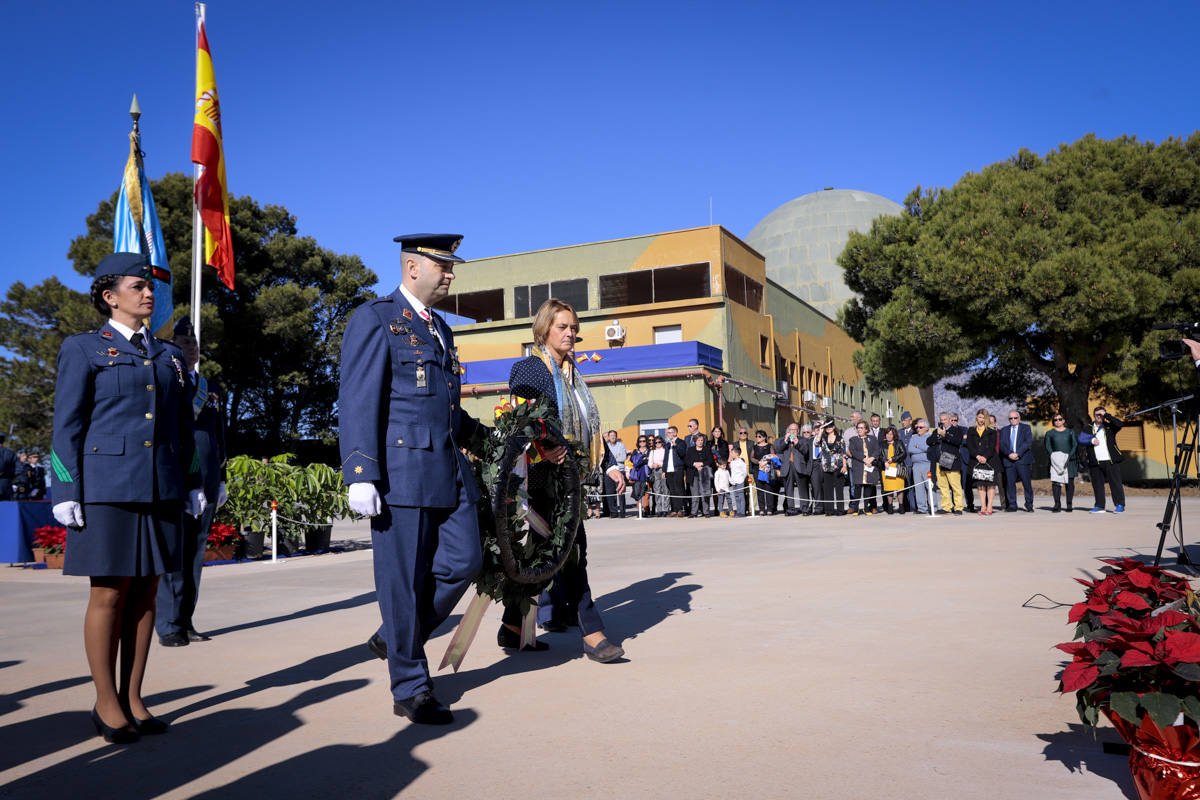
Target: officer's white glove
(364,498)
(196,502)
(221,496)
(68,514)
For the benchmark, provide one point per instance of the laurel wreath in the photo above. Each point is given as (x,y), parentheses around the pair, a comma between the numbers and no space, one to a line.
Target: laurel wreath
(518,562)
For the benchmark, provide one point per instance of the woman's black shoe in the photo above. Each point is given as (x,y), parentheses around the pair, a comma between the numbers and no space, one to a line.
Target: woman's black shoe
(511,641)
(145,727)
(123,735)
(1056,509)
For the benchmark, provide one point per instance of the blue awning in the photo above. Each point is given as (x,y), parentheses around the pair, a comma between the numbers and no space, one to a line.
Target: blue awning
(612,360)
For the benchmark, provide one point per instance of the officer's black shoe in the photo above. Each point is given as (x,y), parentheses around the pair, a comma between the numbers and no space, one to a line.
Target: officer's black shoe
(554,626)
(511,641)
(377,646)
(194,635)
(423,709)
(179,639)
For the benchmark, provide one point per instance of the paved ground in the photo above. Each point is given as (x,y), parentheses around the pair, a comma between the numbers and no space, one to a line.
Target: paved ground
(783,657)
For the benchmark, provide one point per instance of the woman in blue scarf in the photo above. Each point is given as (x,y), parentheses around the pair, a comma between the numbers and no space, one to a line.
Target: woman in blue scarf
(550,374)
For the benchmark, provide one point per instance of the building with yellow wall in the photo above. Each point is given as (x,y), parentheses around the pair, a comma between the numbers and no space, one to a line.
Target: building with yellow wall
(674,325)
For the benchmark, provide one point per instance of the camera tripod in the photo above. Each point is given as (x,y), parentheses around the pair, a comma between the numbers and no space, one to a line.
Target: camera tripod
(1185,446)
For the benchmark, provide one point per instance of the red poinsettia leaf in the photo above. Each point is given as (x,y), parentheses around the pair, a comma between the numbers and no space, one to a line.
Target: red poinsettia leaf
(1166,619)
(1181,646)
(1118,621)
(1087,582)
(1131,600)
(1097,604)
(1077,612)
(1071,648)
(1141,646)
(1140,578)
(1136,658)
(1078,676)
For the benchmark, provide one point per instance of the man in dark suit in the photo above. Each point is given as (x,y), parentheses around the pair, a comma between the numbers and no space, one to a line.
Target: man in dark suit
(1016,449)
(674,466)
(179,592)
(794,452)
(8,470)
(401,427)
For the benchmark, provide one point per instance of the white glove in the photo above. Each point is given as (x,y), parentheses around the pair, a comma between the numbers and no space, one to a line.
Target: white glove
(196,502)
(69,514)
(364,498)
(221,496)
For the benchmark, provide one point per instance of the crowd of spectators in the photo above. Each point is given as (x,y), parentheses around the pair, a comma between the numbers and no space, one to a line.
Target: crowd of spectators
(22,475)
(861,468)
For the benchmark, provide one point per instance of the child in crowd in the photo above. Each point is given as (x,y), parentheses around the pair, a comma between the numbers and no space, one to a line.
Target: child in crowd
(721,486)
(738,473)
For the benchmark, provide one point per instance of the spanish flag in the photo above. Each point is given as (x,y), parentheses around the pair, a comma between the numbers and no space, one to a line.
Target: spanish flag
(212,195)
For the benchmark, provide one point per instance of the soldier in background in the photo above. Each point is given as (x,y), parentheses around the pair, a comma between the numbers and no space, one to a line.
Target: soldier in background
(8,470)
(179,592)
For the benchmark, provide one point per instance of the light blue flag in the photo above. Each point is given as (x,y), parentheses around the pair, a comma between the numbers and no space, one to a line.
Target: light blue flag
(136,230)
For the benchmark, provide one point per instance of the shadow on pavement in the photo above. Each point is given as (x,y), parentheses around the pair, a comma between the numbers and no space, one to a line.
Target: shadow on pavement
(317,668)
(627,613)
(192,749)
(11,702)
(34,738)
(372,771)
(350,602)
(1081,751)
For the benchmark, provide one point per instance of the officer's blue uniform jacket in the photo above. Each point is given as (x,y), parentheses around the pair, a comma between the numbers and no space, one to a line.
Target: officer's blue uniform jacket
(120,417)
(400,423)
(210,434)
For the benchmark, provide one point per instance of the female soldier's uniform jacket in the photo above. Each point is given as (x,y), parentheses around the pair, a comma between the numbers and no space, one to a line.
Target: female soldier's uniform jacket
(120,417)
(400,422)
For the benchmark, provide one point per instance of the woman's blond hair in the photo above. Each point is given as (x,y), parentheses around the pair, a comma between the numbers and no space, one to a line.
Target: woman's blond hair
(544,319)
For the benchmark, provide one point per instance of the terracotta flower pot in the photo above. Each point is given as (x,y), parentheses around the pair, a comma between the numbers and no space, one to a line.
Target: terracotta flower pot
(39,555)
(55,560)
(223,553)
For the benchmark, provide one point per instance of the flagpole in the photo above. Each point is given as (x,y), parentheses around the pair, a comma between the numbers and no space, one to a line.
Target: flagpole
(197,222)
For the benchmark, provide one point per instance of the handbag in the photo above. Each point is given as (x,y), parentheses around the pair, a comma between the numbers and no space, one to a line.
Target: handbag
(982,473)
(948,460)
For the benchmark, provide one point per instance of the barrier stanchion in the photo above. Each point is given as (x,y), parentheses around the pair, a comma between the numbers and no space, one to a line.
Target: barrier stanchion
(753,499)
(929,490)
(274,532)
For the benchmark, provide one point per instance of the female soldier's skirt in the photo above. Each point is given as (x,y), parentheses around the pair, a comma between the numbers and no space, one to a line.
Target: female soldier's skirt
(126,539)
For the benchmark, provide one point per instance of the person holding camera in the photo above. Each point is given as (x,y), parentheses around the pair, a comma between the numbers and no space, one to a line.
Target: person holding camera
(794,453)
(1099,452)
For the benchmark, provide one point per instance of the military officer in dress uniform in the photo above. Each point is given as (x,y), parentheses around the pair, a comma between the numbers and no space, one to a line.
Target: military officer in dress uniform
(401,426)
(8,470)
(121,479)
(178,592)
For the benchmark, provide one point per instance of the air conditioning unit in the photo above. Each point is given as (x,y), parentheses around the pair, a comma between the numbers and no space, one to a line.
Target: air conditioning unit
(826,402)
(614,332)
(810,396)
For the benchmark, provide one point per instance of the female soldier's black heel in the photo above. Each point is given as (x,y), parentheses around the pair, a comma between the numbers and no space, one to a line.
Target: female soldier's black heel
(123,735)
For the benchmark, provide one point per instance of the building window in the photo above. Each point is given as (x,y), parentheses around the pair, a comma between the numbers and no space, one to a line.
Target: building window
(528,299)
(668,334)
(654,285)
(1132,437)
(764,350)
(653,427)
(484,306)
(741,288)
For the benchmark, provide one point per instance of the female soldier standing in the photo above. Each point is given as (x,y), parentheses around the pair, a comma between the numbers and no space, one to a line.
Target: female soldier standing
(120,478)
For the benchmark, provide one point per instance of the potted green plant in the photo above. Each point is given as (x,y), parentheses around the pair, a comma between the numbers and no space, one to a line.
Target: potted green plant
(319,498)
(1136,659)
(248,488)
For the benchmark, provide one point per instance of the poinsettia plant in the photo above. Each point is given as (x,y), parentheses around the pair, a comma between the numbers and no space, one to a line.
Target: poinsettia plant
(51,538)
(1137,646)
(221,534)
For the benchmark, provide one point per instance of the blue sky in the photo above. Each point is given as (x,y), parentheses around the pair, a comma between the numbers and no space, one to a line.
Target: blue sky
(532,125)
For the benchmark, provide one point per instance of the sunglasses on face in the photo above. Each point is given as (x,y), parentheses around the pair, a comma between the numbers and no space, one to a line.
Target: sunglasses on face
(1058,419)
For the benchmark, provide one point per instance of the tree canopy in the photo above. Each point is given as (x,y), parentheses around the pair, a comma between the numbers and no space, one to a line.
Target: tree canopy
(1037,271)
(274,340)
(34,320)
